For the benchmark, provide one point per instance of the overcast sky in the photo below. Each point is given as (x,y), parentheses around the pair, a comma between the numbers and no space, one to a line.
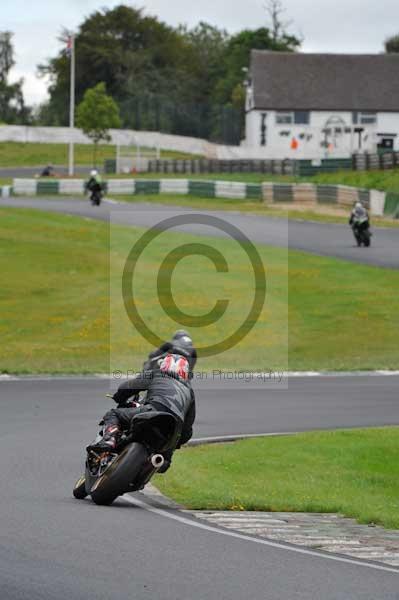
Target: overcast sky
(326,25)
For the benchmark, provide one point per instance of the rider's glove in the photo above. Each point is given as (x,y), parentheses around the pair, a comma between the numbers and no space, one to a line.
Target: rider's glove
(127,403)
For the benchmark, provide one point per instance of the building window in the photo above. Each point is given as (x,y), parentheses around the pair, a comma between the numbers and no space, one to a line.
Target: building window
(302,117)
(284,118)
(364,118)
(299,117)
(367,118)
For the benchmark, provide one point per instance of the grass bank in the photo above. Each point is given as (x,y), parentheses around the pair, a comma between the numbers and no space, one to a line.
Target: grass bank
(57,315)
(354,472)
(18,154)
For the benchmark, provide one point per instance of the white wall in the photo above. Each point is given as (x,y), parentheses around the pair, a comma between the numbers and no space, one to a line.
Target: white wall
(63,135)
(309,147)
(149,139)
(389,123)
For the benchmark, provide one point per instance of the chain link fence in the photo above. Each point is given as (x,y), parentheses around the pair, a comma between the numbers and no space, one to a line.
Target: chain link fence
(222,124)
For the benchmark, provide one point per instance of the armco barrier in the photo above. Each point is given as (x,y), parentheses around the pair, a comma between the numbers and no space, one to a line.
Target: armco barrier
(5,191)
(174,186)
(305,193)
(378,202)
(224,189)
(283,192)
(202,188)
(207,189)
(391,206)
(147,186)
(327,194)
(311,193)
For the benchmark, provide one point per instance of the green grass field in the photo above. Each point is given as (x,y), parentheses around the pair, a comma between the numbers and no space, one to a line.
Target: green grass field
(56,309)
(18,154)
(353,472)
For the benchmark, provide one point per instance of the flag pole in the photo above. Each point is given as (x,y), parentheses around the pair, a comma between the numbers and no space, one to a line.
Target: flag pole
(72,108)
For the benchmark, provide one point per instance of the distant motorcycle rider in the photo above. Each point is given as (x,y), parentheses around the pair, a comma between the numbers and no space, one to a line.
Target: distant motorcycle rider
(359,215)
(360,223)
(94,184)
(166,377)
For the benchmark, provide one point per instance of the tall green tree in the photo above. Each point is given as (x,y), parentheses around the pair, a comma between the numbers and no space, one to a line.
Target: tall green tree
(96,115)
(127,50)
(205,46)
(392,45)
(12,104)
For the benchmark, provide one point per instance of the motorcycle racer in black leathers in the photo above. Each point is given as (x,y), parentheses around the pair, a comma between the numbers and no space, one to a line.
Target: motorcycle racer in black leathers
(359,215)
(166,377)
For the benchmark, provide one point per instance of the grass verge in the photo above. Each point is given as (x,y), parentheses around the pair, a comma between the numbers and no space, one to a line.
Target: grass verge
(18,154)
(353,472)
(56,313)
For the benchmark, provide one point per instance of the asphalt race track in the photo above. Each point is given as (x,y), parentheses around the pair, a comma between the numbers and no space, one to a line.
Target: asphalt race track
(318,238)
(52,546)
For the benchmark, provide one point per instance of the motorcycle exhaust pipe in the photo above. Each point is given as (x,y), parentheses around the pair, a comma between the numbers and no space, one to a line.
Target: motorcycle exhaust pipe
(157,461)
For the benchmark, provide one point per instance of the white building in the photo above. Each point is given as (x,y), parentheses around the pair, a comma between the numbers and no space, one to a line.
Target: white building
(313,106)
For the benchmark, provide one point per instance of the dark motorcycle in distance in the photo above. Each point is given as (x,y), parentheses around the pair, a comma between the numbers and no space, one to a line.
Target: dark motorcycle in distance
(361,231)
(96,196)
(136,459)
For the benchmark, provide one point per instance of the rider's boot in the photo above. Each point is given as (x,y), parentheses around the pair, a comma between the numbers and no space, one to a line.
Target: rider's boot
(109,441)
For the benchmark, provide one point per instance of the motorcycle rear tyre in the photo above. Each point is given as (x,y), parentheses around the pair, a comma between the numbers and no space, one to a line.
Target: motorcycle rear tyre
(120,475)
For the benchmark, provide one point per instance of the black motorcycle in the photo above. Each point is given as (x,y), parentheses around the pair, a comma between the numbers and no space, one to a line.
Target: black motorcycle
(361,231)
(135,460)
(96,197)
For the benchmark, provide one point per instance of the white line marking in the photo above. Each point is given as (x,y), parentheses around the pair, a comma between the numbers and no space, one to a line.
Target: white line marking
(234,437)
(163,513)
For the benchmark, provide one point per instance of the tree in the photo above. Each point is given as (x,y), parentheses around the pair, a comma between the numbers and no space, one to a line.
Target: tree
(275,9)
(96,114)
(237,57)
(130,52)
(206,47)
(392,45)
(12,104)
